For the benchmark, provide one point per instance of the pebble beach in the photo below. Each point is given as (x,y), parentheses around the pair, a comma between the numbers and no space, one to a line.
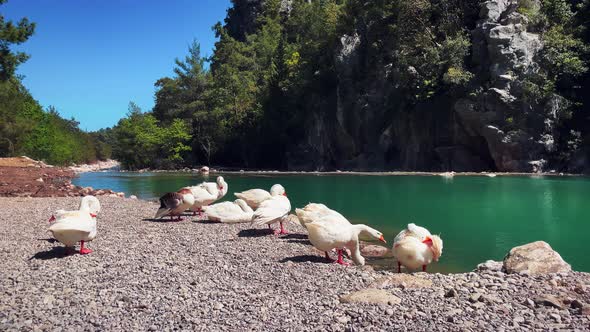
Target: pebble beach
(147,275)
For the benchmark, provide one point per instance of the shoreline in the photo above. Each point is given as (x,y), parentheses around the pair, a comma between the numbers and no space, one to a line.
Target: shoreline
(146,275)
(368,173)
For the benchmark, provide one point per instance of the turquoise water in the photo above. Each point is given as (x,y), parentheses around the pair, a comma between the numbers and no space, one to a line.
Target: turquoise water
(478,218)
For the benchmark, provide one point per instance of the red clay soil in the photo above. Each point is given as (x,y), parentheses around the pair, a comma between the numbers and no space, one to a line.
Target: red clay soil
(35,181)
(25,177)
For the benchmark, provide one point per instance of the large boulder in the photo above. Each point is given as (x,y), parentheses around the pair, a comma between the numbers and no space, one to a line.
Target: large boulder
(535,258)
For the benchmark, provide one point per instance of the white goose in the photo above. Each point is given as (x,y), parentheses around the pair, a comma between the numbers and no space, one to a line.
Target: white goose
(415,247)
(329,233)
(315,211)
(272,210)
(174,204)
(71,227)
(413,230)
(254,197)
(206,193)
(229,212)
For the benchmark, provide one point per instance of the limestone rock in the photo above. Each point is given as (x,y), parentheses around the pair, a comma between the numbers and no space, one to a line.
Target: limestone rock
(489,265)
(535,258)
(549,301)
(371,295)
(372,250)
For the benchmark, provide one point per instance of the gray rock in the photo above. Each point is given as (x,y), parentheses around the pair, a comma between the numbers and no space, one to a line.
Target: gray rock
(549,301)
(489,265)
(535,258)
(451,293)
(474,297)
(576,304)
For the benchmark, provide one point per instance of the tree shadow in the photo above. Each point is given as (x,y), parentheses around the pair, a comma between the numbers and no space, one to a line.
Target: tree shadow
(306,258)
(255,232)
(53,253)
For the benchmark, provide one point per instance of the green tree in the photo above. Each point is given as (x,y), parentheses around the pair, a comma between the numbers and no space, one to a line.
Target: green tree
(12,34)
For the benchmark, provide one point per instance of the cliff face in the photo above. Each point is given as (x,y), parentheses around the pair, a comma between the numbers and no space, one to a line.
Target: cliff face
(504,54)
(365,123)
(369,128)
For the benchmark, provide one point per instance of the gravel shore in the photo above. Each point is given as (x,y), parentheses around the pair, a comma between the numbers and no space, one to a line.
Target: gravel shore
(164,276)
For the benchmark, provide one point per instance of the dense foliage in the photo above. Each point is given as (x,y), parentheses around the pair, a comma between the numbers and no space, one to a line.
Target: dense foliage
(271,72)
(27,129)
(278,65)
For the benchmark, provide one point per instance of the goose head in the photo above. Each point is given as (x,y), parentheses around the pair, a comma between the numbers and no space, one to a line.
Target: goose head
(372,233)
(435,244)
(277,190)
(222,185)
(91,204)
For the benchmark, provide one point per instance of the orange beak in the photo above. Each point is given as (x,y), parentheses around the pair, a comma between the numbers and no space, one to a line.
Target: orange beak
(427,241)
(382,239)
(284,194)
(52,219)
(93,215)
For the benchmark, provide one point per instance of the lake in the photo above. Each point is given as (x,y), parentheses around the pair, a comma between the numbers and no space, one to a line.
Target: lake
(478,218)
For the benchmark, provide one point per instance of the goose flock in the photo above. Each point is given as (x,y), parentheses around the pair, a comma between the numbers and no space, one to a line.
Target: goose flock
(328,230)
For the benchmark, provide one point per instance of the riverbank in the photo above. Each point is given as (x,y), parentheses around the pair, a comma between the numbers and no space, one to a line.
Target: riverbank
(99,166)
(146,275)
(25,177)
(221,170)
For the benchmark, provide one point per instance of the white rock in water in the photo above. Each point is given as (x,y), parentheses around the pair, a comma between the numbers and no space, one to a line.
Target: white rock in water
(133,197)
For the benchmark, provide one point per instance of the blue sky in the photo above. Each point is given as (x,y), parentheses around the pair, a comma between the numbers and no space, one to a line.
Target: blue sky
(90,58)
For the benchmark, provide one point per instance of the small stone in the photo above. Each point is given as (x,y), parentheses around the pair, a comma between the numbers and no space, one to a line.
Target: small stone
(556,317)
(549,301)
(580,289)
(478,305)
(576,304)
(489,265)
(474,297)
(529,303)
(132,197)
(218,306)
(451,293)
(389,312)
(518,319)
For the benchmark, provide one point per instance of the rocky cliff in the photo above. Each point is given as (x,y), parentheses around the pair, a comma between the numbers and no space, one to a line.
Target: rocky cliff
(365,122)
(370,128)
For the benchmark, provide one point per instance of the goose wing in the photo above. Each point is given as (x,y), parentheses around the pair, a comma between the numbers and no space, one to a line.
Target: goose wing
(254,197)
(271,210)
(168,202)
